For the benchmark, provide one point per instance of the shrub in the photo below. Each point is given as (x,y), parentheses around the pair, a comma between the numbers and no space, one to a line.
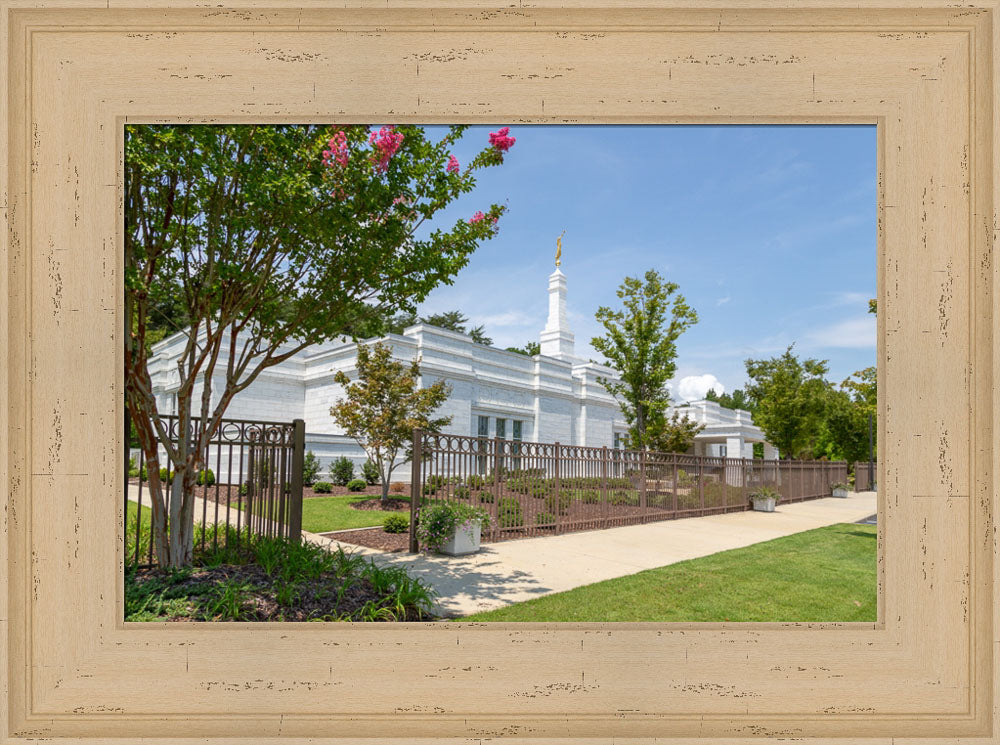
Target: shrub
(510,513)
(430,490)
(436,480)
(476,481)
(369,471)
(546,519)
(133,469)
(461,492)
(341,471)
(590,496)
(397,487)
(244,488)
(396,524)
(486,496)
(558,503)
(205,478)
(764,492)
(323,487)
(532,485)
(310,468)
(439,521)
(356,485)
(143,476)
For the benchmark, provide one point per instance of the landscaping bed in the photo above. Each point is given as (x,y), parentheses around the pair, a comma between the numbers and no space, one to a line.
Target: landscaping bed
(372,538)
(274,580)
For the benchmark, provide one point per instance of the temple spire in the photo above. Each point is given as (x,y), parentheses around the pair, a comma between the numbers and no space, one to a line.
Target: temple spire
(556,338)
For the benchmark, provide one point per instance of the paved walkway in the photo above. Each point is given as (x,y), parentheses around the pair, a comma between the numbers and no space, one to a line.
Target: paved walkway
(513,571)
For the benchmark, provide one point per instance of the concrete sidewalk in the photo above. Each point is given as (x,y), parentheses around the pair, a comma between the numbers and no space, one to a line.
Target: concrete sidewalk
(514,571)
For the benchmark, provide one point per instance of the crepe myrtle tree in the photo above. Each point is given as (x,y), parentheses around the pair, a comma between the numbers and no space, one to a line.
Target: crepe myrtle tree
(384,405)
(265,240)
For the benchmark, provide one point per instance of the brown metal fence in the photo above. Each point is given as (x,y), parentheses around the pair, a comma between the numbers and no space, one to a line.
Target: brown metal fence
(532,489)
(862,470)
(251,482)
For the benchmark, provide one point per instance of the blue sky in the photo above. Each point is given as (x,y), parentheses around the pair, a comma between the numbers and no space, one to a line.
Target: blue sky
(768,230)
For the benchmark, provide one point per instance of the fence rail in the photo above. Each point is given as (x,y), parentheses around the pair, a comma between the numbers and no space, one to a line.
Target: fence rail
(532,489)
(250,480)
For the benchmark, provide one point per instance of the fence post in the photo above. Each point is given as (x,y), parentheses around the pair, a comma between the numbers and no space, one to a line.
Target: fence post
(497,464)
(701,481)
(674,459)
(604,474)
(642,483)
(295,498)
(557,501)
(416,487)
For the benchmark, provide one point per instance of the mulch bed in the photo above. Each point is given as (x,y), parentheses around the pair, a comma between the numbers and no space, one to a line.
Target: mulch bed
(389,505)
(316,598)
(372,538)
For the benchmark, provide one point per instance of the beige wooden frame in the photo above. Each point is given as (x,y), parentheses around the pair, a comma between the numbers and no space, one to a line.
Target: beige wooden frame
(78,69)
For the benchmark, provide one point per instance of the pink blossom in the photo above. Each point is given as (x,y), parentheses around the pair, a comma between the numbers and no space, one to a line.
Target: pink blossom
(385,143)
(501,141)
(479,216)
(452,164)
(337,152)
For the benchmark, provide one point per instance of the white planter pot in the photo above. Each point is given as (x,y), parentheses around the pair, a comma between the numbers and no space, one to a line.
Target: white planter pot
(764,505)
(842,493)
(463,541)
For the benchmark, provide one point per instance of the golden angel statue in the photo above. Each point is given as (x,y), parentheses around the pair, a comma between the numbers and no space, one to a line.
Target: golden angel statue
(559,248)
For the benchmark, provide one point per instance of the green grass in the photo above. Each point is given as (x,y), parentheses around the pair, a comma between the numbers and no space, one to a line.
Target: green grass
(324,514)
(828,574)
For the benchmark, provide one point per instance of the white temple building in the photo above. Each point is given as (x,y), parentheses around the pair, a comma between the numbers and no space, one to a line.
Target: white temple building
(553,396)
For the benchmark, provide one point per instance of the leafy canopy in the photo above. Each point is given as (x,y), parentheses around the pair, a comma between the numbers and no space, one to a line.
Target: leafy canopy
(791,396)
(640,342)
(260,240)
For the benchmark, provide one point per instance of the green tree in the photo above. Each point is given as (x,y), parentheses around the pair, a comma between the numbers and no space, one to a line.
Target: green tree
(455,320)
(530,349)
(791,396)
(270,239)
(738,399)
(672,435)
(640,342)
(385,404)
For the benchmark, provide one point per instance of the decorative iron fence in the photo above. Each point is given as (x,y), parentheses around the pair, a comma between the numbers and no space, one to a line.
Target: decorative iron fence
(251,481)
(532,489)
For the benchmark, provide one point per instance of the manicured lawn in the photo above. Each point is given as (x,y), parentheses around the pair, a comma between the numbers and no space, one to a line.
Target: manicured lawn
(826,574)
(319,514)
(323,514)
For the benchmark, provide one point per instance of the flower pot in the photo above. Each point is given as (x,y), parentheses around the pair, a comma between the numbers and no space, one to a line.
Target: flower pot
(842,493)
(764,505)
(465,540)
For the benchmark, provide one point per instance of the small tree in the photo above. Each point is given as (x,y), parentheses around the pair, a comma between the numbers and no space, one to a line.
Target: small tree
(310,468)
(386,403)
(673,435)
(791,396)
(641,344)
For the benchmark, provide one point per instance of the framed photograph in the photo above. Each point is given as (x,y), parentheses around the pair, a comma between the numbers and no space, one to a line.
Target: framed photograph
(87,84)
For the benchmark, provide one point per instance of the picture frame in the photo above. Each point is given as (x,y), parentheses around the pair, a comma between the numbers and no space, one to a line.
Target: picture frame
(924,72)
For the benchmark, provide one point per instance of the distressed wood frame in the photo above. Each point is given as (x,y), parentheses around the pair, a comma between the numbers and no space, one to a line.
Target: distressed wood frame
(924,72)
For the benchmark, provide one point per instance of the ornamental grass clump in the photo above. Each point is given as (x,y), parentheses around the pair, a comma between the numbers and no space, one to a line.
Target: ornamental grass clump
(440,521)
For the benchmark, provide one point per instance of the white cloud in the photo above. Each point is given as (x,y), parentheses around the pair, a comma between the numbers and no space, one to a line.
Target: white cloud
(855,333)
(694,387)
(510,318)
(723,300)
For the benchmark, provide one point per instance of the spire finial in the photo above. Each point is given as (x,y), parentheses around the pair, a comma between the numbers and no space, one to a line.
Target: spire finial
(559,248)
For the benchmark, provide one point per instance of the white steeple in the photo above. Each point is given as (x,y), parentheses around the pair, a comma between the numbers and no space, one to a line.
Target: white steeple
(556,338)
